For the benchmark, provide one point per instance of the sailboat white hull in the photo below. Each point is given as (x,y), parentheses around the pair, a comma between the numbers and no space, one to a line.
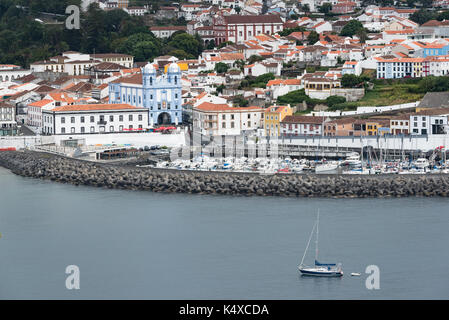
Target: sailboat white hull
(320,272)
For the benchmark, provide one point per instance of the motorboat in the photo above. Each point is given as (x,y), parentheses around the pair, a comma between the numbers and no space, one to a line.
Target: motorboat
(326,168)
(421,163)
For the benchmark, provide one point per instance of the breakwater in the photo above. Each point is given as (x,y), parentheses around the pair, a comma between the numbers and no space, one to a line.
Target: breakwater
(77,172)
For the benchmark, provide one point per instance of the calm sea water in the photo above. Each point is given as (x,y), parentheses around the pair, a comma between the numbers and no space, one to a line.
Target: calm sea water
(142,245)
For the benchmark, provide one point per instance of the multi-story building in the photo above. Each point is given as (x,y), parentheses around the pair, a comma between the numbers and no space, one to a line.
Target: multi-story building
(8,125)
(429,122)
(94,118)
(222,119)
(136,11)
(302,126)
(400,68)
(75,63)
(9,72)
(237,28)
(273,117)
(400,125)
(161,95)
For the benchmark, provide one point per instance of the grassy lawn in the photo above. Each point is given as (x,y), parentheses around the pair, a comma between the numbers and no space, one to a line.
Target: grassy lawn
(384,95)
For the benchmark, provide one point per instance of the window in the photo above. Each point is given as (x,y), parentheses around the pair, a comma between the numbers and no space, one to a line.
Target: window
(82,119)
(72,130)
(62,119)
(224,117)
(92,129)
(130,117)
(62,130)
(111,129)
(82,130)
(232,124)
(92,119)
(111,118)
(120,128)
(130,126)
(140,117)
(72,119)
(120,118)
(223,125)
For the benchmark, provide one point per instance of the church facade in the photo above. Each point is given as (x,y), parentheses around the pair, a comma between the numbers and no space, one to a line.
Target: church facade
(160,94)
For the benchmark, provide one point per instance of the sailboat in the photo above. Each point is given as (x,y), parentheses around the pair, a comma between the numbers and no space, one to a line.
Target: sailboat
(319,269)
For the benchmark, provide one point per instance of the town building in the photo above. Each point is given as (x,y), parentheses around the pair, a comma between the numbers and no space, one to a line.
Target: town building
(9,72)
(166,31)
(432,121)
(302,126)
(273,117)
(8,125)
(222,119)
(400,125)
(237,28)
(94,118)
(161,95)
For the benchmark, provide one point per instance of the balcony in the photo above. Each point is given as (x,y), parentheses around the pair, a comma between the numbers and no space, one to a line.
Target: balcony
(102,122)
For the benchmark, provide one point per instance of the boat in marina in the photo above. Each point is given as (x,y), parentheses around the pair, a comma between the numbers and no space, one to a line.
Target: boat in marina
(319,269)
(353,160)
(326,168)
(421,163)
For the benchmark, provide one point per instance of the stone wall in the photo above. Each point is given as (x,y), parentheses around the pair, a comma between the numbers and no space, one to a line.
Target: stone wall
(77,172)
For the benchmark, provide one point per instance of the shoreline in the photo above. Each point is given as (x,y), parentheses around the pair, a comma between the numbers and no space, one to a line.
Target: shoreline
(112,176)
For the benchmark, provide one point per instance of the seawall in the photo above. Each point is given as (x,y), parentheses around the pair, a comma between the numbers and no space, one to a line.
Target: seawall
(77,172)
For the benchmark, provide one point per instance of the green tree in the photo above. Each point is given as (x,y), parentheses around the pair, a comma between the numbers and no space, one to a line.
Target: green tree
(186,42)
(221,67)
(350,81)
(325,8)
(180,54)
(422,16)
(352,28)
(313,37)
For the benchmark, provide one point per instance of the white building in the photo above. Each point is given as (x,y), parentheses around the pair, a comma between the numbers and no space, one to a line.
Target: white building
(9,72)
(222,119)
(74,63)
(351,67)
(136,11)
(7,119)
(427,123)
(302,126)
(94,118)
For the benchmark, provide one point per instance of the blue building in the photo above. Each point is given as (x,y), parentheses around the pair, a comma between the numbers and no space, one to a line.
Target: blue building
(161,94)
(435,50)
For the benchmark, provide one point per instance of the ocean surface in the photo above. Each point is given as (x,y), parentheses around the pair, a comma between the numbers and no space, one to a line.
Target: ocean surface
(143,245)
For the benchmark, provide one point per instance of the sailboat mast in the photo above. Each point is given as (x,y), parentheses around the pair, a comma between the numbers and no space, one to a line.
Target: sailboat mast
(308,243)
(317,231)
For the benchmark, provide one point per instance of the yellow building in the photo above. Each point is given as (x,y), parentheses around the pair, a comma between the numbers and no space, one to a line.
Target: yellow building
(377,127)
(182,65)
(273,117)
